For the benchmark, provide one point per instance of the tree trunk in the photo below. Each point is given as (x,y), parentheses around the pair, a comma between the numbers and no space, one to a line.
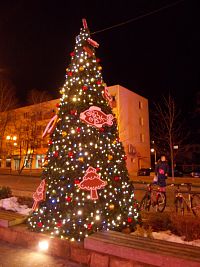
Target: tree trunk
(172,158)
(93,194)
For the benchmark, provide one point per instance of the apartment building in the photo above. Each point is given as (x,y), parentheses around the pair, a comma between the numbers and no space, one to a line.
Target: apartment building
(22,142)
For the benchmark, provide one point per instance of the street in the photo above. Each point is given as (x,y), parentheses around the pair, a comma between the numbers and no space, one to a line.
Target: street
(15,256)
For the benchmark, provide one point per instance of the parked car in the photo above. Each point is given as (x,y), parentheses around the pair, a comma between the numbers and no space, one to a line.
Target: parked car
(144,172)
(177,173)
(195,173)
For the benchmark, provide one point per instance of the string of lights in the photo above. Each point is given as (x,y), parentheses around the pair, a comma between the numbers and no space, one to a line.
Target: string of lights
(138,17)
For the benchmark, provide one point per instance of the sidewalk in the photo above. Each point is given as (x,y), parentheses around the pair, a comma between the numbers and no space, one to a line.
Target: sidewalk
(25,172)
(16,256)
(20,185)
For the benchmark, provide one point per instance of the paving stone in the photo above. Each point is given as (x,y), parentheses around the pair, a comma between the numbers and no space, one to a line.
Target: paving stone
(16,256)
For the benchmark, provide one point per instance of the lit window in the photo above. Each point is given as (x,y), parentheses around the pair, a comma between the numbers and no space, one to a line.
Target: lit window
(142,138)
(140,105)
(141,121)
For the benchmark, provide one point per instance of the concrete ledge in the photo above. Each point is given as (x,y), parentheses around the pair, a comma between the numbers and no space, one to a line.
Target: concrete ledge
(72,251)
(109,249)
(143,250)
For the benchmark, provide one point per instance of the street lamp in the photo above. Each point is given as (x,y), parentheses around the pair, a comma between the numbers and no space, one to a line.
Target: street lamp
(11,138)
(11,143)
(155,155)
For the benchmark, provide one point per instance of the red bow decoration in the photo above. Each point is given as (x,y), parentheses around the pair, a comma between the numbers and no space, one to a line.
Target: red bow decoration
(39,194)
(84,23)
(92,42)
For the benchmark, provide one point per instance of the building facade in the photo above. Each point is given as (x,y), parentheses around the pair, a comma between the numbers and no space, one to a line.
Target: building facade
(22,145)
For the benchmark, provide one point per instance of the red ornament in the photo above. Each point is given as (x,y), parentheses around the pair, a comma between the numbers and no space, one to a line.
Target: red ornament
(95,117)
(101,129)
(73,112)
(84,23)
(98,60)
(77,181)
(55,154)
(98,169)
(50,126)
(68,199)
(88,51)
(125,158)
(39,194)
(50,142)
(116,178)
(70,154)
(84,88)
(91,182)
(129,220)
(89,226)
(69,73)
(92,42)
(78,130)
(59,224)
(57,105)
(39,224)
(99,82)
(72,54)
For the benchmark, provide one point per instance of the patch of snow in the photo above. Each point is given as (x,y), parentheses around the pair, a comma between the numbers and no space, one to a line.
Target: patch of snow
(168,236)
(11,203)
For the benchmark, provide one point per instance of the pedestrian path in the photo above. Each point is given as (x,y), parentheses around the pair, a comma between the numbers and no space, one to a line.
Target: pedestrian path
(15,256)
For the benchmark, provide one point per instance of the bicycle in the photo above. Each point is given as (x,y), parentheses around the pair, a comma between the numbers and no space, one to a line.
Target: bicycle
(154,198)
(192,203)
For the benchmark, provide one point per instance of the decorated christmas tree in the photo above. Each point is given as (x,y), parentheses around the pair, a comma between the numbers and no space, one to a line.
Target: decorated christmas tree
(85,183)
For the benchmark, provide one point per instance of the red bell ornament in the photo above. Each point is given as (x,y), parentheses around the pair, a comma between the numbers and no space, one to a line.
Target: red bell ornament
(129,220)
(70,154)
(68,199)
(84,88)
(39,224)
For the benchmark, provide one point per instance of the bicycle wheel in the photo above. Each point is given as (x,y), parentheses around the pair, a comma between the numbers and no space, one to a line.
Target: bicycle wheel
(195,204)
(161,202)
(179,205)
(145,204)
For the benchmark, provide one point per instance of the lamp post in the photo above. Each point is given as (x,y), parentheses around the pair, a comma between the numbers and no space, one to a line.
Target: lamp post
(155,155)
(11,139)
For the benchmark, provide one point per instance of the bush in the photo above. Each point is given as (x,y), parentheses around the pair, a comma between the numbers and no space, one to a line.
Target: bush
(187,226)
(5,192)
(158,222)
(144,232)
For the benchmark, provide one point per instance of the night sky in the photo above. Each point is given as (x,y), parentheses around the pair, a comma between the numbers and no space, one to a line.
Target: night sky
(151,56)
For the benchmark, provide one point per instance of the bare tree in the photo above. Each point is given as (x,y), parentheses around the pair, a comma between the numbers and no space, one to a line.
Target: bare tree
(7,102)
(168,131)
(29,128)
(36,96)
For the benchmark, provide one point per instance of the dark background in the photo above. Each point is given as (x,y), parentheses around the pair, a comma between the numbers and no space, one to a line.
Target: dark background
(151,56)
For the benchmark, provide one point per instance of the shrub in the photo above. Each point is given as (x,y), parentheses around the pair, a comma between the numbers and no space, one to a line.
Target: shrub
(187,226)
(158,221)
(5,192)
(144,232)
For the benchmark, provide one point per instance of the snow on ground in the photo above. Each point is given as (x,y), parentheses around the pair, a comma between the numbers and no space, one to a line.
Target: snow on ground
(168,236)
(12,204)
